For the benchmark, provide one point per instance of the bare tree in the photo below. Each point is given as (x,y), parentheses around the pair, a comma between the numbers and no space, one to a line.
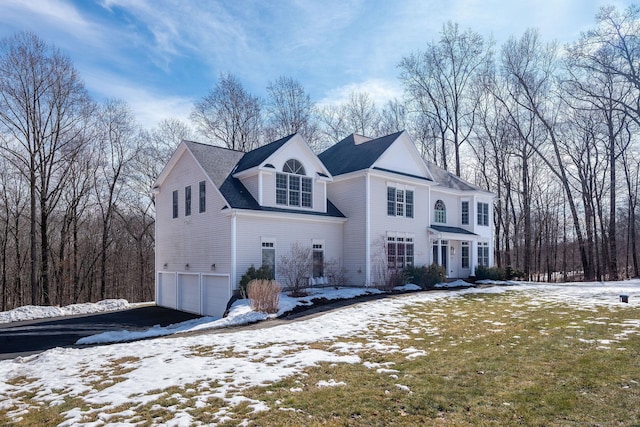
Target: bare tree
(290,110)
(43,104)
(296,266)
(438,82)
(393,117)
(229,115)
(119,145)
(362,115)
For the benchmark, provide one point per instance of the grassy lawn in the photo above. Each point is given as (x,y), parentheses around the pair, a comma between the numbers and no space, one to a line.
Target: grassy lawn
(482,359)
(487,360)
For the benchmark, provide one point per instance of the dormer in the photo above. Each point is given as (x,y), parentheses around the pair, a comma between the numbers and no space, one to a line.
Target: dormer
(285,174)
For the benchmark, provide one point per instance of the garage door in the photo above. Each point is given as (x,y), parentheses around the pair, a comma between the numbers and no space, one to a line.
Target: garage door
(167,292)
(189,292)
(216,290)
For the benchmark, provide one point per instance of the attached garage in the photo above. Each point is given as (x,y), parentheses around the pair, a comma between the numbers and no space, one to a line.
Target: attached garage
(199,293)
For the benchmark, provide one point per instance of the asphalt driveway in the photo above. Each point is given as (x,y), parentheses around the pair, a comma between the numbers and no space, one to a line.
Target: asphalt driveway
(34,336)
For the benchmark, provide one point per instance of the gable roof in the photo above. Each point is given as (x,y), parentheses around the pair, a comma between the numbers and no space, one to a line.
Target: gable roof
(355,153)
(449,180)
(255,157)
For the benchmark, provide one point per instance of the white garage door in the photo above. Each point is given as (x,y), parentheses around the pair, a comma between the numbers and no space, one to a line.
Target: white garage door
(189,292)
(216,290)
(167,292)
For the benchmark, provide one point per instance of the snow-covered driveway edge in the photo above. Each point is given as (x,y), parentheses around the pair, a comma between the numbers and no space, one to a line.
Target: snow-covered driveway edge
(34,312)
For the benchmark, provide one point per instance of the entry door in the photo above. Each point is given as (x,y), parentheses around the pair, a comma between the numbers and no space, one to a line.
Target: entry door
(444,259)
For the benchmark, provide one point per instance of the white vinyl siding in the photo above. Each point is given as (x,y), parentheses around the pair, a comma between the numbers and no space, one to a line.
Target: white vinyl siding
(289,229)
(203,240)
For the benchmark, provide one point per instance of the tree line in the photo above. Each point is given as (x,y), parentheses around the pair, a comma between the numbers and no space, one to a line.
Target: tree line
(550,129)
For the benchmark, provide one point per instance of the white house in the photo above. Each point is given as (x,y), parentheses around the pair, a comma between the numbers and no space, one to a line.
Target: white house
(368,204)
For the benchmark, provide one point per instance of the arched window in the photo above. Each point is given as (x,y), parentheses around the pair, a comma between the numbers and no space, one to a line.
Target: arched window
(293,166)
(293,189)
(440,212)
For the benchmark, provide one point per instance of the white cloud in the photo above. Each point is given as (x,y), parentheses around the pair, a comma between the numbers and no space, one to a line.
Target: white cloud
(149,106)
(379,90)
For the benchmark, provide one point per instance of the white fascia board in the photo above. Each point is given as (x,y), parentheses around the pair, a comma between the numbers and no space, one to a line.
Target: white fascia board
(284,216)
(399,177)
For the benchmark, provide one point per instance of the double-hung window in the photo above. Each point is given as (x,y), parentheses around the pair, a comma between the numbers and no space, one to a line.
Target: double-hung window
(464,208)
(292,187)
(399,202)
(483,213)
(483,253)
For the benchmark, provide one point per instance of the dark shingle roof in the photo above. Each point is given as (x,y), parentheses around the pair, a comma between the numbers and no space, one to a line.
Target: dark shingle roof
(449,180)
(255,157)
(447,229)
(349,156)
(219,163)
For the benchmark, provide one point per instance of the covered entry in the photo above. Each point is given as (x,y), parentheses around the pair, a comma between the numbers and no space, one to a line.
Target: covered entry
(200,293)
(453,248)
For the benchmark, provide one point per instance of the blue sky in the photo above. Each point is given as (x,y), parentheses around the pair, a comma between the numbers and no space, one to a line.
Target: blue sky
(161,55)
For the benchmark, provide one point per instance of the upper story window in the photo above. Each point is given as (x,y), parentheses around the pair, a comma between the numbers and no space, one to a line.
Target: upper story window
(399,202)
(464,220)
(292,189)
(175,203)
(293,166)
(483,213)
(202,196)
(440,212)
(187,200)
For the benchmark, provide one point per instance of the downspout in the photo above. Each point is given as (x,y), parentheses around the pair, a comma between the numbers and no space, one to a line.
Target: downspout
(233,249)
(367,244)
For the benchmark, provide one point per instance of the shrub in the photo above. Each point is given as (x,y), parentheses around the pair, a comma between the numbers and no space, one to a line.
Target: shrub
(262,273)
(434,274)
(395,278)
(426,276)
(490,273)
(336,275)
(264,295)
(296,267)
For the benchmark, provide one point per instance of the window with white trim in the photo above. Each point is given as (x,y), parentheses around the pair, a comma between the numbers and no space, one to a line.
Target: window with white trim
(202,197)
(440,212)
(269,256)
(483,253)
(464,209)
(175,203)
(399,202)
(187,200)
(400,252)
(292,187)
(464,256)
(318,260)
(483,213)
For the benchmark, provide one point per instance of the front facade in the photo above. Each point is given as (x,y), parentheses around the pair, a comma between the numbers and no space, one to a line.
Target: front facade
(368,206)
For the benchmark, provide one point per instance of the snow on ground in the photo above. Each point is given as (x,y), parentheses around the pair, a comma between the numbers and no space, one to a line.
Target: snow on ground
(223,365)
(240,314)
(31,312)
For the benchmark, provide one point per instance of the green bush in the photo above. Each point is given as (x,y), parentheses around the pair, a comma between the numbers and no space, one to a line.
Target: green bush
(490,273)
(426,276)
(262,273)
